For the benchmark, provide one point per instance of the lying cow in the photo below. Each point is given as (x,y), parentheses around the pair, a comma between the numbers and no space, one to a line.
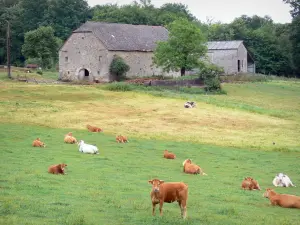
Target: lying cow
(250,184)
(69,138)
(93,128)
(189,167)
(57,169)
(121,139)
(87,148)
(169,155)
(37,143)
(169,192)
(189,104)
(282,180)
(282,200)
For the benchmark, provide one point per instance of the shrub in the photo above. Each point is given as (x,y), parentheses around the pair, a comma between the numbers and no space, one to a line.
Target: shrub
(115,86)
(118,68)
(39,72)
(210,74)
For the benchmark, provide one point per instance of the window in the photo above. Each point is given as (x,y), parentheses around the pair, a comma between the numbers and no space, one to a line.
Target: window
(239,65)
(100,57)
(66,59)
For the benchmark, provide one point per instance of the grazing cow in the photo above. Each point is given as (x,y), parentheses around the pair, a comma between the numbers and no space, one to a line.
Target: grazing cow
(250,184)
(282,180)
(57,169)
(169,155)
(93,128)
(70,139)
(121,139)
(37,143)
(189,104)
(282,200)
(87,148)
(169,192)
(189,167)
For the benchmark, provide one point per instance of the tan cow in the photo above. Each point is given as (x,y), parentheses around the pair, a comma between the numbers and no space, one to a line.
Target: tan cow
(57,169)
(189,167)
(250,184)
(121,139)
(93,128)
(169,192)
(169,155)
(282,200)
(37,143)
(69,138)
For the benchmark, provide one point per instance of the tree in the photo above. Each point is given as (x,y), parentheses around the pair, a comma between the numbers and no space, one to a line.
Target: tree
(118,68)
(42,44)
(184,48)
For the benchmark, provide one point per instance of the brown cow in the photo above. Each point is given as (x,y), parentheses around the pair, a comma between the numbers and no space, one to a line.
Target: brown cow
(121,139)
(37,143)
(282,200)
(169,192)
(169,155)
(57,169)
(93,128)
(189,167)
(69,138)
(250,184)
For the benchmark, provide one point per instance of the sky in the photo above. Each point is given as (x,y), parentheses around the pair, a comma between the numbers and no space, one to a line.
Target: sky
(224,11)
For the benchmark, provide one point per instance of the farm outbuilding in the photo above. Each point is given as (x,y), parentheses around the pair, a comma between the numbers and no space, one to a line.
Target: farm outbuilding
(88,52)
(232,56)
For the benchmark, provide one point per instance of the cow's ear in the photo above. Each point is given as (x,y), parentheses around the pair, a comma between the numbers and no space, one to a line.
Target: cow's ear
(150,181)
(161,181)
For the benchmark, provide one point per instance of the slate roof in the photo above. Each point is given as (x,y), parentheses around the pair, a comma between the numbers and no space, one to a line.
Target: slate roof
(125,37)
(223,45)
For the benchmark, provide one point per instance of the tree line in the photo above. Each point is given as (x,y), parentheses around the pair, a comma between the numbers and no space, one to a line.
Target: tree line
(43,25)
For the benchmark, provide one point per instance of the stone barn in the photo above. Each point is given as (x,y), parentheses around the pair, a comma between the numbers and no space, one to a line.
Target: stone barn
(90,49)
(231,55)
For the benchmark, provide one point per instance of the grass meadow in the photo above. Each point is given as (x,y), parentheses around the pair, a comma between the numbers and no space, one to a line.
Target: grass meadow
(230,136)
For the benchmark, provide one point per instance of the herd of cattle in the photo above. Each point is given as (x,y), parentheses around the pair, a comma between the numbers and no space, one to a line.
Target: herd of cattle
(178,191)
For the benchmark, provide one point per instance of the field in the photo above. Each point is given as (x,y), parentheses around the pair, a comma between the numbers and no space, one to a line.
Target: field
(230,136)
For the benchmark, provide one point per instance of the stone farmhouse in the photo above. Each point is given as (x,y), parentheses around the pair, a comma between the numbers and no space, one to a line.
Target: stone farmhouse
(232,56)
(90,49)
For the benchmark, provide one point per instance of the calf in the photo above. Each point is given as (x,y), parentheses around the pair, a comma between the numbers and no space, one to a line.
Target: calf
(37,143)
(250,184)
(93,128)
(121,139)
(169,192)
(70,139)
(57,169)
(189,167)
(282,200)
(169,155)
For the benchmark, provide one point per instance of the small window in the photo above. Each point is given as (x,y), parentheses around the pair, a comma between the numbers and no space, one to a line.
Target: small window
(66,59)
(100,57)
(98,72)
(68,72)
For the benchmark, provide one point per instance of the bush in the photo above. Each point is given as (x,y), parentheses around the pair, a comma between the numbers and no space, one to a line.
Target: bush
(115,86)
(39,72)
(210,74)
(118,68)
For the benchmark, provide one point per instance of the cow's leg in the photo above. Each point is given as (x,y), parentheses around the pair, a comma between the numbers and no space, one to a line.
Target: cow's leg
(183,208)
(160,207)
(153,208)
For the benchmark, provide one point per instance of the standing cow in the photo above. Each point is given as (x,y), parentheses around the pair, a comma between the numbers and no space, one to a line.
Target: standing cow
(169,192)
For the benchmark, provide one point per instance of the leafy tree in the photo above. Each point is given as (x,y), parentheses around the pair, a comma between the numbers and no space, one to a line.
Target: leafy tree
(118,68)
(185,46)
(210,74)
(42,44)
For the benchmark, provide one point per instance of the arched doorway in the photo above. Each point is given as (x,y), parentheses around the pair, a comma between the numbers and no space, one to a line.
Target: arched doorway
(83,74)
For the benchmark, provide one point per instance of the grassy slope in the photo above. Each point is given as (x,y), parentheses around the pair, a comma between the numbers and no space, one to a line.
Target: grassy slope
(228,120)
(112,188)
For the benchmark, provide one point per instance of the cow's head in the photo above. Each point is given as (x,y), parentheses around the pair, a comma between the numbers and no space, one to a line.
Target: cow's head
(69,134)
(80,142)
(38,139)
(155,184)
(267,192)
(62,166)
(255,184)
(187,161)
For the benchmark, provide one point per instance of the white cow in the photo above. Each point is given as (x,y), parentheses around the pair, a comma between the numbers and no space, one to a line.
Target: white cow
(282,180)
(86,148)
(189,104)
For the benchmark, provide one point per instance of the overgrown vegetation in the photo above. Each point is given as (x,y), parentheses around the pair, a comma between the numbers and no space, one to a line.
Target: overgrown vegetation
(118,68)
(210,74)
